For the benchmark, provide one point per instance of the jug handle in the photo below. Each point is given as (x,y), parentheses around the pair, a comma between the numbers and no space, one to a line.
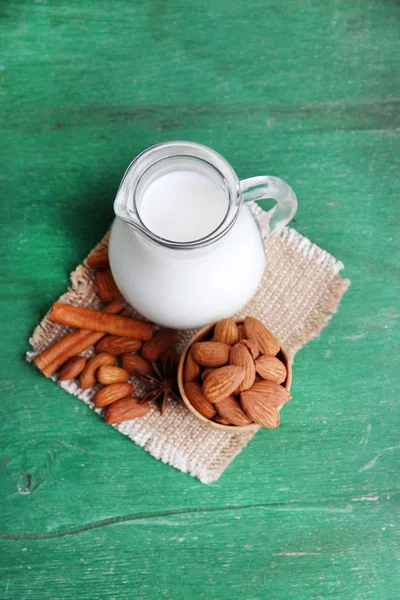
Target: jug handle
(259,188)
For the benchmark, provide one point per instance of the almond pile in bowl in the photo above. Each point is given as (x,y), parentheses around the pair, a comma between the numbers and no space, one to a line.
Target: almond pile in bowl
(235,375)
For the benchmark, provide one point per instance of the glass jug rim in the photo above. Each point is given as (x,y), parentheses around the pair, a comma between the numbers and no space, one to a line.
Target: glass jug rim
(168,150)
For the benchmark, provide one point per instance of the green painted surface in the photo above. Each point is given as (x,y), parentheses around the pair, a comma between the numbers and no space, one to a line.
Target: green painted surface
(308,91)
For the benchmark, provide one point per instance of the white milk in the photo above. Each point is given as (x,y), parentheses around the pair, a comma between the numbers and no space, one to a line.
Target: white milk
(183,206)
(187,288)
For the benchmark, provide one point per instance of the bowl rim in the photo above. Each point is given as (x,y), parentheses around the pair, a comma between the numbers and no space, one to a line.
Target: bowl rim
(233,429)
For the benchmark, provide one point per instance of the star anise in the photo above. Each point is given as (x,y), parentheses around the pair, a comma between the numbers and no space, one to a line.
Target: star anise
(164,381)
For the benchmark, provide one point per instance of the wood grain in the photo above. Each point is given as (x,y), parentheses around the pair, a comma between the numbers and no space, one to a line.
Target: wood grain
(305,91)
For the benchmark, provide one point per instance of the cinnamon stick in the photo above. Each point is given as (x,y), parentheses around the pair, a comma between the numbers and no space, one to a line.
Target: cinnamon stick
(85,318)
(61,347)
(81,346)
(70,341)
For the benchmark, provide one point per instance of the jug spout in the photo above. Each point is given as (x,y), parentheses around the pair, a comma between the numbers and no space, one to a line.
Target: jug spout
(124,205)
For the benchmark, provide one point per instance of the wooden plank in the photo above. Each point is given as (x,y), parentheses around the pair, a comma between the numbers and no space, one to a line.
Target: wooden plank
(305,91)
(332,549)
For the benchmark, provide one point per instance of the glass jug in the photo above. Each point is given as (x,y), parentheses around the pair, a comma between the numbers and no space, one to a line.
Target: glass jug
(185,249)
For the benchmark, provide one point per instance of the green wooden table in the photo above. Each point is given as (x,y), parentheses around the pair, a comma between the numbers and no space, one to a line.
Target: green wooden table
(308,91)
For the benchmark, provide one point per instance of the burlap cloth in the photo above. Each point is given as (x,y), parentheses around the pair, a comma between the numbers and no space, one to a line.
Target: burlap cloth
(299,293)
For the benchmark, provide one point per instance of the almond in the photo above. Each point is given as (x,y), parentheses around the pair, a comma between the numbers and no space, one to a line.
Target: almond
(222,382)
(271,368)
(258,410)
(72,368)
(198,400)
(226,332)
(241,356)
(88,378)
(114,307)
(106,286)
(266,341)
(116,345)
(173,356)
(211,354)
(274,394)
(108,374)
(205,373)
(112,393)
(191,370)
(241,332)
(161,341)
(126,409)
(98,259)
(134,364)
(230,409)
(221,421)
(252,347)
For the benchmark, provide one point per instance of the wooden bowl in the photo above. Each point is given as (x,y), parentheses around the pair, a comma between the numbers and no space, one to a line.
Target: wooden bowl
(203,335)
